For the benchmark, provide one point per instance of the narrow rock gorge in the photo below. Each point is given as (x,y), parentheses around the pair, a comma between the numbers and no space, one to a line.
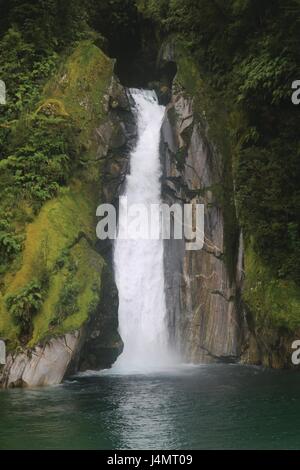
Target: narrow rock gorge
(235,300)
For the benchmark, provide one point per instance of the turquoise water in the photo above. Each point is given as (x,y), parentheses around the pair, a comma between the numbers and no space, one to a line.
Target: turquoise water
(207,407)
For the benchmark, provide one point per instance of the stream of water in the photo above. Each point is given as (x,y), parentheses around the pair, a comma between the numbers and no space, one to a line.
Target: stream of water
(139,262)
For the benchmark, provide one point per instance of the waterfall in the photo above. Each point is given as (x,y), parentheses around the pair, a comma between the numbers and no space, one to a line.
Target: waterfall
(139,263)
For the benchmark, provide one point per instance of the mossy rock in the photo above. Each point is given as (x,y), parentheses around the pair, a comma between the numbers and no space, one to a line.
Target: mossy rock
(52,107)
(65,225)
(87,278)
(54,230)
(274,303)
(81,87)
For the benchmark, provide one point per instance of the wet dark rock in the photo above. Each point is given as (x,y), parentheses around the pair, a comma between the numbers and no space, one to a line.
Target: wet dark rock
(102,343)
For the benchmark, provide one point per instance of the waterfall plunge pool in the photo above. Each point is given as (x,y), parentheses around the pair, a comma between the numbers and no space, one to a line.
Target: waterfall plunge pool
(194,407)
(145,401)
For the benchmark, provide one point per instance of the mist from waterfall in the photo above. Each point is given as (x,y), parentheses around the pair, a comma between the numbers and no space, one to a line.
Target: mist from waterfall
(138,263)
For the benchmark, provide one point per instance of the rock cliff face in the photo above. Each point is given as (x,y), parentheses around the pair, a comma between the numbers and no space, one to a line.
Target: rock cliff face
(43,365)
(202,294)
(223,303)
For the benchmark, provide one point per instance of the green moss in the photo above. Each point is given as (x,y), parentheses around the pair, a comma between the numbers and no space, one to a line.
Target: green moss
(188,72)
(273,302)
(86,277)
(54,230)
(76,95)
(79,90)
(52,107)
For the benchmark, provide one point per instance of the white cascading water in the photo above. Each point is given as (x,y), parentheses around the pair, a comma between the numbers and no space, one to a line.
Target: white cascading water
(139,263)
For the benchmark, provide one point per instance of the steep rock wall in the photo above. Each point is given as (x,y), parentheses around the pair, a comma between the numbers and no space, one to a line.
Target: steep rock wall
(224,303)
(202,293)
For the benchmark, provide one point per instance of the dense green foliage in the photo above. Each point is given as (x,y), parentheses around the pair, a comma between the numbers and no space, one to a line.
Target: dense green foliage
(40,164)
(10,243)
(67,304)
(24,305)
(249,52)
(45,135)
(32,34)
(35,151)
